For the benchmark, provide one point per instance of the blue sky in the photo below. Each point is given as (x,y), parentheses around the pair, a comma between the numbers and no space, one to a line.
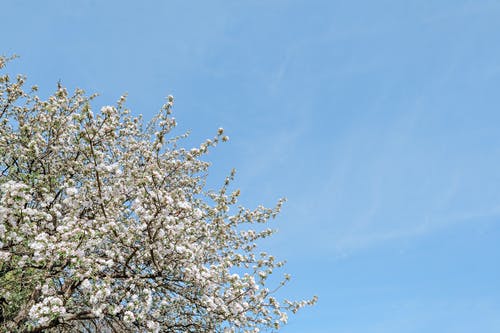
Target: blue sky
(378,120)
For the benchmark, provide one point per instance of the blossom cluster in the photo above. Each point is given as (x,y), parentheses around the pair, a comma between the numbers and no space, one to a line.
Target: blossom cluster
(107,226)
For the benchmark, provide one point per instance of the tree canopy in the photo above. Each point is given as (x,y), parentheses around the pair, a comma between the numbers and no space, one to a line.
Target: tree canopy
(106,225)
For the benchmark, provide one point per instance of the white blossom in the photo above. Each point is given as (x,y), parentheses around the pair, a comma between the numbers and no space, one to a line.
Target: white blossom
(108,225)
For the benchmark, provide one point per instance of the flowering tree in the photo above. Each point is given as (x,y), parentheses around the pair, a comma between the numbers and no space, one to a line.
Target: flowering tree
(106,226)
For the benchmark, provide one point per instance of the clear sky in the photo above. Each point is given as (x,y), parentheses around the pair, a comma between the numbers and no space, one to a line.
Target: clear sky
(378,120)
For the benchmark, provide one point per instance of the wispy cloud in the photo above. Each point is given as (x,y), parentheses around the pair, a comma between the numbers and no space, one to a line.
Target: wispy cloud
(278,75)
